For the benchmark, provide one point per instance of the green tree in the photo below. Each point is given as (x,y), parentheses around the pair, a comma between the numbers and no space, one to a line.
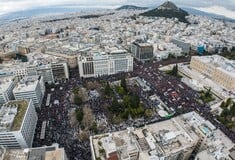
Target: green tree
(126,101)
(140,110)
(75,90)
(102,151)
(134,101)
(117,119)
(232,110)
(115,106)
(79,114)
(120,90)
(123,84)
(229,102)
(223,105)
(94,127)
(108,89)
(148,113)
(174,71)
(221,119)
(77,99)
(225,112)
(208,93)
(125,114)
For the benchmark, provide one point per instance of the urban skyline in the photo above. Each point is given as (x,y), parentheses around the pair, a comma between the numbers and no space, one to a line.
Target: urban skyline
(128,83)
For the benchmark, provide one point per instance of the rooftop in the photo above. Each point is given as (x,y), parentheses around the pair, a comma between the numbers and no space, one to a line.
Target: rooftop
(57,154)
(110,54)
(155,140)
(43,153)
(28,83)
(162,139)
(18,154)
(142,43)
(5,83)
(12,114)
(220,62)
(219,147)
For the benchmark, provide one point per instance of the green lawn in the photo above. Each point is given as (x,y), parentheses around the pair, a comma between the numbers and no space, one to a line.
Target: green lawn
(22,107)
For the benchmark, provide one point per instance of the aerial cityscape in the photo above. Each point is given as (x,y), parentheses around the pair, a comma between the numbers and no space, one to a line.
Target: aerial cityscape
(117,80)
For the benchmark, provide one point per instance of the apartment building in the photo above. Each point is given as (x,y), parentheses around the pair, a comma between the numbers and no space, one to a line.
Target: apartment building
(7,85)
(99,64)
(142,51)
(172,139)
(43,70)
(163,140)
(52,152)
(60,71)
(182,44)
(18,121)
(30,87)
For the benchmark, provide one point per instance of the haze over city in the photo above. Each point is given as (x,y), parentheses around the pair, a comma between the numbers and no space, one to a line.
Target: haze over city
(225,7)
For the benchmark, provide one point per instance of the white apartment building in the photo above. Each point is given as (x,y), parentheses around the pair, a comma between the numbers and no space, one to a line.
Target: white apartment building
(18,121)
(7,85)
(213,143)
(217,68)
(52,152)
(98,64)
(60,71)
(30,87)
(51,72)
(162,140)
(44,70)
(71,59)
(173,139)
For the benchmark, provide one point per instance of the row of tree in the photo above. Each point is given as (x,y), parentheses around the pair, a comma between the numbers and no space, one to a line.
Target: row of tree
(129,106)
(174,71)
(85,118)
(122,89)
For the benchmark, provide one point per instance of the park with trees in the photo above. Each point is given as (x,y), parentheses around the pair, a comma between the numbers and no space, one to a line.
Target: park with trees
(125,103)
(227,117)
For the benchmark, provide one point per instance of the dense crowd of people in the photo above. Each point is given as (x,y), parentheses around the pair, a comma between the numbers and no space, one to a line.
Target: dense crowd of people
(169,89)
(59,129)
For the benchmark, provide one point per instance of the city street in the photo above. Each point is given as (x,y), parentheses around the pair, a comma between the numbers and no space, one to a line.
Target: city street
(58,129)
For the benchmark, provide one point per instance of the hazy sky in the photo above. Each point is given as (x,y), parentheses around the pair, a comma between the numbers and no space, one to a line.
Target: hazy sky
(224,7)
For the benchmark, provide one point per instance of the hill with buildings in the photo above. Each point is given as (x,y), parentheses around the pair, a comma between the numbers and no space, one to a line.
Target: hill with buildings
(168,10)
(131,7)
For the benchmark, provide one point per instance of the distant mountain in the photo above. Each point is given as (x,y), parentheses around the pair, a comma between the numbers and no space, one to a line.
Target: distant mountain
(41,11)
(201,13)
(168,10)
(131,7)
